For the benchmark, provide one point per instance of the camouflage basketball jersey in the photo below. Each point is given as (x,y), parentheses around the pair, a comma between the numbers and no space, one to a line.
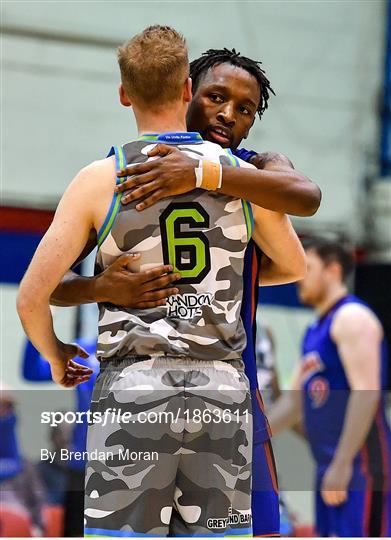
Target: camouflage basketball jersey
(204,236)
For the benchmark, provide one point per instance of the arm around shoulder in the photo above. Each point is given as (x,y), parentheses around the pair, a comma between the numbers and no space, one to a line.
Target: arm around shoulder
(309,193)
(284,260)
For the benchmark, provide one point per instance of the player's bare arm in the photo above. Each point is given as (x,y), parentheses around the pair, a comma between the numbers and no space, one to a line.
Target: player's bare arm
(63,295)
(280,187)
(286,412)
(278,273)
(118,285)
(79,211)
(284,260)
(357,334)
(282,263)
(271,161)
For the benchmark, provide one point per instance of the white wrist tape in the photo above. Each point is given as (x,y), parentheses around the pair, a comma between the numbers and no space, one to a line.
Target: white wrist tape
(220,177)
(198,174)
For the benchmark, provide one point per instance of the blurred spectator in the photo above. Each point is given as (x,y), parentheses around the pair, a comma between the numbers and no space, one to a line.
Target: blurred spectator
(36,369)
(266,365)
(54,474)
(21,489)
(270,389)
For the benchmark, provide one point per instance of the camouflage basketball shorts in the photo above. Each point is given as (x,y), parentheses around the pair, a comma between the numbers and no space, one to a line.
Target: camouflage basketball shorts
(169,449)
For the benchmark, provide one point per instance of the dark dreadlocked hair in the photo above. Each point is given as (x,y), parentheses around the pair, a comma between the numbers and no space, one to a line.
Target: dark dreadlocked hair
(214,57)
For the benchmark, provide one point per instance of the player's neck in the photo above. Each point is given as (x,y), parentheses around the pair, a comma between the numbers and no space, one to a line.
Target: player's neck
(161,127)
(333,295)
(161,121)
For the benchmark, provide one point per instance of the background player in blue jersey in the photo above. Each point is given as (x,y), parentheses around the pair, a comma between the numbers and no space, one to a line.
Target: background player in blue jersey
(224,118)
(339,391)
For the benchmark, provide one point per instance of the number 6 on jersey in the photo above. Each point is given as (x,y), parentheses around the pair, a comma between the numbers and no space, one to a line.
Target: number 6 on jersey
(187,251)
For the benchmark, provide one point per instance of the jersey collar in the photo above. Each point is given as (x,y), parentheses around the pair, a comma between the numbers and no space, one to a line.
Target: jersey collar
(188,137)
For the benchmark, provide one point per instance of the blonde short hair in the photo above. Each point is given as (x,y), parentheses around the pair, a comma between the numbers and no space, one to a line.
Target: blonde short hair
(154,66)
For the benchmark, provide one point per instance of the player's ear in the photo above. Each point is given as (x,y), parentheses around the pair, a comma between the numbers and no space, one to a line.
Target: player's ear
(187,93)
(335,269)
(124,100)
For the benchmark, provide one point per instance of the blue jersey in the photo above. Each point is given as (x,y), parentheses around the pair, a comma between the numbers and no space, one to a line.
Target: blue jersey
(326,391)
(251,274)
(37,369)
(252,266)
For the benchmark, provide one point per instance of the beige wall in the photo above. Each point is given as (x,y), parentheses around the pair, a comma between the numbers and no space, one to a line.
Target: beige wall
(323,58)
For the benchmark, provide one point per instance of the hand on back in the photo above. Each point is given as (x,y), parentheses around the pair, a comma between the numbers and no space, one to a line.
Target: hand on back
(120,286)
(172,174)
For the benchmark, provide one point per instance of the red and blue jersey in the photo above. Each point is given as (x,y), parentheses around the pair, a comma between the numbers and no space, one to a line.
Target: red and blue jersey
(251,276)
(326,393)
(252,265)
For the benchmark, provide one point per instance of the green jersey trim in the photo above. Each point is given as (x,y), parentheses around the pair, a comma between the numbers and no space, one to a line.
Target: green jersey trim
(116,200)
(248,214)
(247,210)
(231,157)
(148,138)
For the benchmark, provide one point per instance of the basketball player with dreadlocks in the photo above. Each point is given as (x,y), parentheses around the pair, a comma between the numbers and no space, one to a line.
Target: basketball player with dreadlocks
(229,90)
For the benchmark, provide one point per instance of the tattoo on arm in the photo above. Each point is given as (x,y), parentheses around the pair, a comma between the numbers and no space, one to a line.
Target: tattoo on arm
(261,160)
